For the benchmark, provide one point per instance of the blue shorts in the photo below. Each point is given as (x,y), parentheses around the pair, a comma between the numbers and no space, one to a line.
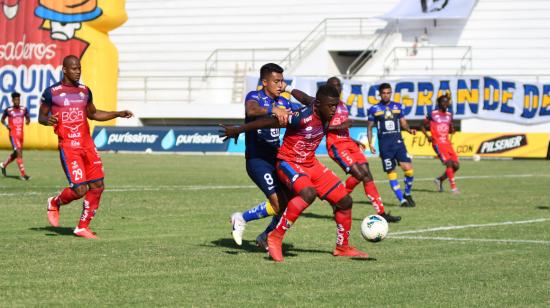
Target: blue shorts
(264,174)
(391,155)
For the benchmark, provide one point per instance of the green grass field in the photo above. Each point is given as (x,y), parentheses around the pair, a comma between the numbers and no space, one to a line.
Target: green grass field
(165,240)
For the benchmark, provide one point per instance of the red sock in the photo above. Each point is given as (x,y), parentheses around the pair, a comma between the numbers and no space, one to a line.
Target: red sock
(451,175)
(374,197)
(89,207)
(343,225)
(294,208)
(21,167)
(8,160)
(351,182)
(66,196)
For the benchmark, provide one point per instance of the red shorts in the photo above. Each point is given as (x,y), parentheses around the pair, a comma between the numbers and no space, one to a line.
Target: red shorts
(345,154)
(16,142)
(81,166)
(297,177)
(445,152)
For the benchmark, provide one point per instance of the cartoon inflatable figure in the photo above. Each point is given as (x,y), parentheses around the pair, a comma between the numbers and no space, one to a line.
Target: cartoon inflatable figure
(66,16)
(35,36)
(10,8)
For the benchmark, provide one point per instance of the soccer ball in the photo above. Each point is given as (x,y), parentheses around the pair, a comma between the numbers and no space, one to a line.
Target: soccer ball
(374,228)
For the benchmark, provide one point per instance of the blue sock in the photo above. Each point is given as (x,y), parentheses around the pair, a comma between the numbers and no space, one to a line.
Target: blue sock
(408,184)
(396,189)
(272,225)
(257,212)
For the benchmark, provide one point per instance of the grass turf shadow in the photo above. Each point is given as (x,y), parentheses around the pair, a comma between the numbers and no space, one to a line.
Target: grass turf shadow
(56,230)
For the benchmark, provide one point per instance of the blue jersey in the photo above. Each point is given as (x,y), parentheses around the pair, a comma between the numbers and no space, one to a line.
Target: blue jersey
(264,142)
(386,118)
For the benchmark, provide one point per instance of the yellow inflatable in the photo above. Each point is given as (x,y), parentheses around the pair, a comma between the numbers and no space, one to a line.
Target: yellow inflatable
(37,36)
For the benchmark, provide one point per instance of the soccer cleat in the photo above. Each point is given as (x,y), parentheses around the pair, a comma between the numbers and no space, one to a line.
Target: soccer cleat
(455,191)
(85,233)
(239,224)
(349,251)
(261,241)
(390,218)
(439,184)
(410,200)
(53,212)
(405,203)
(24,177)
(275,246)
(3,169)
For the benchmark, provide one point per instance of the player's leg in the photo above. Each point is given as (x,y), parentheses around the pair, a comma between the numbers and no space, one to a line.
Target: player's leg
(329,187)
(93,169)
(452,166)
(388,164)
(71,162)
(341,156)
(11,157)
(439,180)
(282,196)
(263,174)
(405,162)
(296,178)
(19,159)
(372,193)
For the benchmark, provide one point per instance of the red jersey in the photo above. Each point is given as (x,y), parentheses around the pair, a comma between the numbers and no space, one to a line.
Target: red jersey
(69,102)
(340,117)
(16,120)
(440,126)
(304,133)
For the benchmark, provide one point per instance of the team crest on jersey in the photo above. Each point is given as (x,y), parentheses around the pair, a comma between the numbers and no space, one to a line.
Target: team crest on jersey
(388,114)
(81,95)
(66,102)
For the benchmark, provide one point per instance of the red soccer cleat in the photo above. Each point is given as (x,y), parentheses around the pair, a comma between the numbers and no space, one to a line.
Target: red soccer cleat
(85,233)
(53,212)
(349,251)
(275,246)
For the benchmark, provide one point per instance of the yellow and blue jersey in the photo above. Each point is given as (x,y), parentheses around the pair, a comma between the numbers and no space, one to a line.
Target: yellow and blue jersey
(264,142)
(387,117)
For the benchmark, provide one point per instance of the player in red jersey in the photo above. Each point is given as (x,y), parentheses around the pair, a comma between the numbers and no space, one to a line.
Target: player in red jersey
(17,116)
(303,174)
(440,124)
(347,153)
(66,106)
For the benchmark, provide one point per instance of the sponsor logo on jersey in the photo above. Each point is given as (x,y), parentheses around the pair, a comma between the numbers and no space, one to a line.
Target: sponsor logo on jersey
(502,144)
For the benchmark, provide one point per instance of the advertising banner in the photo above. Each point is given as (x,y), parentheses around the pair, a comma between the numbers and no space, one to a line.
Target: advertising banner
(159,139)
(480,97)
(35,36)
(530,145)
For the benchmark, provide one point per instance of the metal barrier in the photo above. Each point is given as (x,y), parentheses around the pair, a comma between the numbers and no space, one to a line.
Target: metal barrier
(427,58)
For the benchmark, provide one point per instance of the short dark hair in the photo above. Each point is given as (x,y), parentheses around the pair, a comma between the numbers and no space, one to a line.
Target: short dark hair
(269,68)
(335,79)
(15,94)
(443,97)
(326,91)
(384,86)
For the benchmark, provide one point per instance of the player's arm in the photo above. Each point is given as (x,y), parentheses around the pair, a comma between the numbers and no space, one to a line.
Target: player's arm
(253,109)
(27,116)
(370,124)
(227,132)
(342,126)
(424,127)
(405,126)
(300,96)
(44,116)
(100,115)
(452,129)
(4,116)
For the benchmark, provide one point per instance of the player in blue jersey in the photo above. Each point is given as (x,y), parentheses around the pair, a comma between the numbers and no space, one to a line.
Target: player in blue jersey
(389,120)
(262,146)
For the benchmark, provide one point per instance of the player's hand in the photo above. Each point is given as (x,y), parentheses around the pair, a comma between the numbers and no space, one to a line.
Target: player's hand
(429,139)
(412,131)
(27,122)
(372,149)
(281,114)
(227,132)
(52,119)
(125,114)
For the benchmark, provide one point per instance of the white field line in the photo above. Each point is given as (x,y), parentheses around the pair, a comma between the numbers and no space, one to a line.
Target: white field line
(129,188)
(470,239)
(469,226)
